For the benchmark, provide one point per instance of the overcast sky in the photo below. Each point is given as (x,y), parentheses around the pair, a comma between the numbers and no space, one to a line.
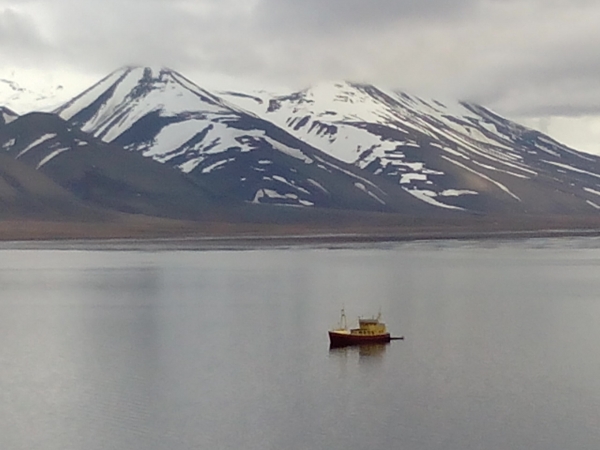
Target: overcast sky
(533,60)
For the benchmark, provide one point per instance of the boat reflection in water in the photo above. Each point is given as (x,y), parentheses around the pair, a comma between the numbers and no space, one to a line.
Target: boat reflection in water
(365,351)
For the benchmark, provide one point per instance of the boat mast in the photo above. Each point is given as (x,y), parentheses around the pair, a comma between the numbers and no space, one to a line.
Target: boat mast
(343,322)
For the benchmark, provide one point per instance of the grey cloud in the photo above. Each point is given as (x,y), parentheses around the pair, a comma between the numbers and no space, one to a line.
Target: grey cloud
(19,36)
(99,36)
(518,56)
(544,69)
(332,15)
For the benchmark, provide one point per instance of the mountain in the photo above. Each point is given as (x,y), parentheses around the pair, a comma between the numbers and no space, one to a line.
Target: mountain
(163,115)
(23,100)
(7,115)
(448,154)
(339,145)
(95,174)
(27,193)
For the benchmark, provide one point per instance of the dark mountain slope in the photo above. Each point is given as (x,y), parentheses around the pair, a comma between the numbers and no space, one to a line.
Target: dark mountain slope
(102,174)
(28,194)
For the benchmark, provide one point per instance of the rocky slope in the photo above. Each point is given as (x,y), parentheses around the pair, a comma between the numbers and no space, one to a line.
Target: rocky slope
(99,174)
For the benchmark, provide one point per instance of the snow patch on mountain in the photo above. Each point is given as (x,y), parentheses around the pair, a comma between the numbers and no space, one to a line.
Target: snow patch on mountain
(23,100)
(214,166)
(51,156)
(7,145)
(290,199)
(574,169)
(293,152)
(363,188)
(7,116)
(485,177)
(457,193)
(428,196)
(39,141)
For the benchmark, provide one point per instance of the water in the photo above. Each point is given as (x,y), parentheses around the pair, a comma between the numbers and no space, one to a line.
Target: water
(137,349)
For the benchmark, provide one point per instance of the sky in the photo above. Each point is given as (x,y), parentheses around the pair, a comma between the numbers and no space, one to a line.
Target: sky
(535,61)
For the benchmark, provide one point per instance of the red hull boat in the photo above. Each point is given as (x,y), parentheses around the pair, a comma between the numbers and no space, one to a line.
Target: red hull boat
(369,331)
(338,339)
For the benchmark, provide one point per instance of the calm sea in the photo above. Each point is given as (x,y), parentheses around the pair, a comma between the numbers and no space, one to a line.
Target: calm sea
(111,346)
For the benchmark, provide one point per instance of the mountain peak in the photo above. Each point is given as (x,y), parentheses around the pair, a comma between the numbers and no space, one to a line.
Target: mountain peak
(7,115)
(149,72)
(134,92)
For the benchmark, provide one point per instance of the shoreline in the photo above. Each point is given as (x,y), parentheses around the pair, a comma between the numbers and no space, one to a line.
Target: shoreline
(153,232)
(257,241)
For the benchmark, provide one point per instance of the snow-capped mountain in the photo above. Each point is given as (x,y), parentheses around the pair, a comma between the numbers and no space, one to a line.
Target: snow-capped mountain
(7,115)
(165,116)
(23,100)
(448,154)
(339,145)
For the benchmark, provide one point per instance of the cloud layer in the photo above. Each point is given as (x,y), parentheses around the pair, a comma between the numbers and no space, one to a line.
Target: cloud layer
(522,57)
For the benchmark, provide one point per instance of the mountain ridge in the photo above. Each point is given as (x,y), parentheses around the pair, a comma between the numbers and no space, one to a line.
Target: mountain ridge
(166,117)
(338,145)
(392,133)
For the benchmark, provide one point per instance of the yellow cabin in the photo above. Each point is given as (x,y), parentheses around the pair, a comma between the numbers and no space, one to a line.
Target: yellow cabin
(369,327)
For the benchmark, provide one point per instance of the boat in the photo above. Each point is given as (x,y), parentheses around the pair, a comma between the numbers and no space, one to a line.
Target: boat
(369,331)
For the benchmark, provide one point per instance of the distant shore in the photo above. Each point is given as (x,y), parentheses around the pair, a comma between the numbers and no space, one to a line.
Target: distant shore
(174,234)
(271,242)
